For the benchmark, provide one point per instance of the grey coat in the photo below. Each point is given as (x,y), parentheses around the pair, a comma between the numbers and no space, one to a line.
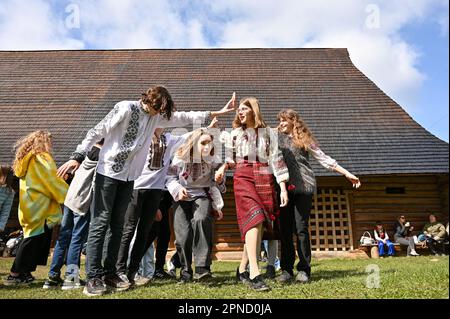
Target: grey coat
(79,195)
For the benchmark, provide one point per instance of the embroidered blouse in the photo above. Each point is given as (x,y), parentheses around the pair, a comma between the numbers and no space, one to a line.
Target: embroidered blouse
(256,145)
(198,179)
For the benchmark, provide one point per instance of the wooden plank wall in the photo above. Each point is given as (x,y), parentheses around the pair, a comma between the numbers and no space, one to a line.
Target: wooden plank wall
(424,194)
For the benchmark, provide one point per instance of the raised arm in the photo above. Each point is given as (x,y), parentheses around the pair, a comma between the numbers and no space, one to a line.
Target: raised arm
(332,165)
(180,119)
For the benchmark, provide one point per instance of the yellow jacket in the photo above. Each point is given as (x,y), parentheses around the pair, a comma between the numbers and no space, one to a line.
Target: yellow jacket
(41,193)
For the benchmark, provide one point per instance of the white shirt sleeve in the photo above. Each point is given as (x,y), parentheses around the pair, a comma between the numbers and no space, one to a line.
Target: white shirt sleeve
(216,196)
(375,233)
(323,159)
(276,160)
(111,120)
(180,119)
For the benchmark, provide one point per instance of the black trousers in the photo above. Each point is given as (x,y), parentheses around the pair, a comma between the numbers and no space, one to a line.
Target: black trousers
(294,219)
(140,214)
(161,231)
(111,198)
(436,247)
(32,251)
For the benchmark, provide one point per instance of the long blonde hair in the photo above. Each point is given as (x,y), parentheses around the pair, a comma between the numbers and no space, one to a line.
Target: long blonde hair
(186,150)
(36,142)
(252,103)
(302,135)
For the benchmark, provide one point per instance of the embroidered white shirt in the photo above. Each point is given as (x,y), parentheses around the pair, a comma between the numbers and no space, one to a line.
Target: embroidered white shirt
(128,131)
(156,179)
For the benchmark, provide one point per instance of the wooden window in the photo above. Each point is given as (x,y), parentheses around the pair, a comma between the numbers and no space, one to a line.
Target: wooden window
(395,190)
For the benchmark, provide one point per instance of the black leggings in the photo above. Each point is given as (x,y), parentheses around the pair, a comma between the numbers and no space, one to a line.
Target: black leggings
(294,218)
(161,230)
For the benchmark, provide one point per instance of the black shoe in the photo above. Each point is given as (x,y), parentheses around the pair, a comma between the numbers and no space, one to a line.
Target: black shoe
(15,280)
(270,272)
(52,282)
(258,284)
(94,287)
(285,277)
(203,276)
(162,275)
(185,278)
(243,277)
(29,278)
(118,282)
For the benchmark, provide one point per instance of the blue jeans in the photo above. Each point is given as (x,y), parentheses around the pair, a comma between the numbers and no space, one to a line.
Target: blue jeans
(390,248)
(147,265)
(72,236)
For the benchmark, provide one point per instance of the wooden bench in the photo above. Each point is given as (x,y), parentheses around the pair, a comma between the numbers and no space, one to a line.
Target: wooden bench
(372,249)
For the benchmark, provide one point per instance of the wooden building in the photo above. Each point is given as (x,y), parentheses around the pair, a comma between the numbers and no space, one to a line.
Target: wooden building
(403,167)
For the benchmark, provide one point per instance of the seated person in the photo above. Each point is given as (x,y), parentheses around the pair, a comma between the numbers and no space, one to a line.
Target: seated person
(435,232)
(402,228)
(382,238)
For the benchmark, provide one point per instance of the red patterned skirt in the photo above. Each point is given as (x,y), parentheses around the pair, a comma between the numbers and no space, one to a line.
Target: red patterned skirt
(256,198)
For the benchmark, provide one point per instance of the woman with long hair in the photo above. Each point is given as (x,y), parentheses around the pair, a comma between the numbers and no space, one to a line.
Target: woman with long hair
(402,235)
(41,194)
(256,158)
(191,183)
(297,143)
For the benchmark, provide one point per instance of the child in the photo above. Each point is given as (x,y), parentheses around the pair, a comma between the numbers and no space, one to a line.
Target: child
(74,226)
(191,183)
(128,131)
(6,195)
(145,202)
(382,237)
(41,194)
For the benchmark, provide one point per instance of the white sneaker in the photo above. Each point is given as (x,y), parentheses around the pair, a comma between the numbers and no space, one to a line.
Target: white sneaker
(170,266)
(416,240)
(414,253)
(140,280)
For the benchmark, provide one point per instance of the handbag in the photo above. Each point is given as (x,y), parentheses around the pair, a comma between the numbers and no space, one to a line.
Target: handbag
(366,240)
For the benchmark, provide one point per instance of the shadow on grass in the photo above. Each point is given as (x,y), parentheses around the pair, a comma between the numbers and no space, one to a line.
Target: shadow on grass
(335,274)
(32,286)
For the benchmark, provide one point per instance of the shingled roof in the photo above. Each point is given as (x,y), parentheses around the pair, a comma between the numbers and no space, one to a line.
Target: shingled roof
(68,92)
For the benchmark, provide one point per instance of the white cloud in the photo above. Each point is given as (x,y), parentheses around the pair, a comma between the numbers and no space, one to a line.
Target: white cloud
(31,25)
(381,53)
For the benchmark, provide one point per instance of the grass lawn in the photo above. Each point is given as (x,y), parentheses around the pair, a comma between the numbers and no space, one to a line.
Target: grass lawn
(400,277)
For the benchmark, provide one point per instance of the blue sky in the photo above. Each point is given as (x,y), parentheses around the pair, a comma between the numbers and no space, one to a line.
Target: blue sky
(401,45)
